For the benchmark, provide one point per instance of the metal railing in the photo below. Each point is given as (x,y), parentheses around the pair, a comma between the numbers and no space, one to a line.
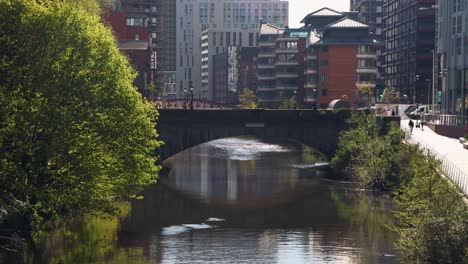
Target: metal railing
(447,120)
(455,174)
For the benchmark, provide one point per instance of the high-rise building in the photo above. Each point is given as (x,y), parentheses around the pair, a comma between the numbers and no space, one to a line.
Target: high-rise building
(371,13)
(163,35)
(218,41)
(280,65)
(341,59)
(152,22)
(195,16)
(452,48)
(129,21)
(409,29)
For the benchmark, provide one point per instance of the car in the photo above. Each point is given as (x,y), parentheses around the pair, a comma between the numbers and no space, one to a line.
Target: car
(423,109)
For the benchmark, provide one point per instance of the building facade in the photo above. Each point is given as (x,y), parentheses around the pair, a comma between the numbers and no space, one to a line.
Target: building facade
(195,16)
(280,65)
(409,29)
(341,64)
(452,48)
(214,42)
(129,21)
(163,36)
(371,13)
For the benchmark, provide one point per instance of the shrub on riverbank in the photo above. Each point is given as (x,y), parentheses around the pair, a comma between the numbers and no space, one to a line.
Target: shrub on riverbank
(74,132)
(433,219)
(367,156)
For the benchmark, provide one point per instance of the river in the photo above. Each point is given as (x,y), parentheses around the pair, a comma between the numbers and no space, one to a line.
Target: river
(234,200)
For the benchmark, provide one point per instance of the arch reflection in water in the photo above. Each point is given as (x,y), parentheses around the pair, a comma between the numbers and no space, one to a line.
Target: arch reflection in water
(244,172)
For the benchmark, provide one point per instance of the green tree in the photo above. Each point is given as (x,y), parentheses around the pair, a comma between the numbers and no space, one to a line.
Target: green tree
(433,216)
(247,100)
(74,133)
(289,104)
(365,154)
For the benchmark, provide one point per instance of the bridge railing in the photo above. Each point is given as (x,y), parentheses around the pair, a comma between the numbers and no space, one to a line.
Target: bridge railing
(455,174)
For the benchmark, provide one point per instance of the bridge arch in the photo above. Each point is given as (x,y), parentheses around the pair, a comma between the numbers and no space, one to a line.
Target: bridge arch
(183,129)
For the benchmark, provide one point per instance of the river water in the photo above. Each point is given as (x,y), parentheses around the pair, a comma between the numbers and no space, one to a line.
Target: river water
(234,200)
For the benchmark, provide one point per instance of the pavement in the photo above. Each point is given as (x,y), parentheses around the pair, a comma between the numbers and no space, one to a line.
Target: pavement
(447,149)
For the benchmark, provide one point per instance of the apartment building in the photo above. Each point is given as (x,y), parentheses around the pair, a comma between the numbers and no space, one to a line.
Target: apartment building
(341,63)
(280,65)
(196,16)
(409,29)
(452,49)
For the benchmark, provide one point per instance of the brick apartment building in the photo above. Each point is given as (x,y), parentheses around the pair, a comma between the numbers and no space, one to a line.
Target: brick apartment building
(332,57)
(280,65)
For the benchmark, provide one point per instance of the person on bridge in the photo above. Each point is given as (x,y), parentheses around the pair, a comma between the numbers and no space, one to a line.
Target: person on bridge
(411,125)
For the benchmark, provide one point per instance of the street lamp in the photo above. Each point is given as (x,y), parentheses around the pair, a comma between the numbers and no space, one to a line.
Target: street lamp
(191,98)
(315,99)
(185,98)
(429,92)
(295,100)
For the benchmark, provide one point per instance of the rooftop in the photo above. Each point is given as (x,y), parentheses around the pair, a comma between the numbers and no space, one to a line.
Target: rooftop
(346,23)
(269,29)
(324,12)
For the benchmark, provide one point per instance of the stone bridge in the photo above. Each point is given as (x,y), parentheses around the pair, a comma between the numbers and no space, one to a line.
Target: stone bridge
(183,129)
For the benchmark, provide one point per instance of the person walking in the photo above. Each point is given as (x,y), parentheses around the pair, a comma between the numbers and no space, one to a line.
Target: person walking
(422,122)
(411,125)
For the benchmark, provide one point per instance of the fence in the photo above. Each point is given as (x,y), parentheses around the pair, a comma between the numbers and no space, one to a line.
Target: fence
(457,176)
(447,120)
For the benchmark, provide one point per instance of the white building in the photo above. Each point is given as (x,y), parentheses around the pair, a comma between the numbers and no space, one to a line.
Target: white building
(228,16)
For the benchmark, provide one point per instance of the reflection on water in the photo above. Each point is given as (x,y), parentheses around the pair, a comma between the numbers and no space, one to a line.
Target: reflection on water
(244,172)
(216,207)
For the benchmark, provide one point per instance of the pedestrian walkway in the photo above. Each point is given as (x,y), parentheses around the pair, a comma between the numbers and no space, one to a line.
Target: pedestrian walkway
(448,150)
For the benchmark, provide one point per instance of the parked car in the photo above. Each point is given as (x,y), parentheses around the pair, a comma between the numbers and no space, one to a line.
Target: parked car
(423,109)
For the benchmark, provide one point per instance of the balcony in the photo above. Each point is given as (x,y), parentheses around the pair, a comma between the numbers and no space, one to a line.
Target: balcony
(286,51)
(266,43)
(286,63)
(311,57)
(366,70)
(265,66)
(286,87)
(287,75)
(310,85)
(310,71)
(287,39)
(365,84)
(266,77)
(266,89)
(369,55)
(266,55)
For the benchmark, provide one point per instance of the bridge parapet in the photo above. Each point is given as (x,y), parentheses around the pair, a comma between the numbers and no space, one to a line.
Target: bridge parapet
(182,129)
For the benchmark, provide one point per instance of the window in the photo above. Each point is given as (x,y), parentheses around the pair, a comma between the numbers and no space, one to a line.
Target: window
(291,45)
(324,63)
(251,43)
(324,48)
(323,78)
(324,92)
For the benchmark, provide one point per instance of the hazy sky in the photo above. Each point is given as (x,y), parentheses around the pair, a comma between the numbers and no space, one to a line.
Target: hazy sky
(298,9)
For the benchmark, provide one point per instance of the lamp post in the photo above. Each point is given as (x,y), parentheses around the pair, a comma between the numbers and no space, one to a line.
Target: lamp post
(185,98)
(414,91)
(295,100)
(429,91)
(315,99)
(191,98)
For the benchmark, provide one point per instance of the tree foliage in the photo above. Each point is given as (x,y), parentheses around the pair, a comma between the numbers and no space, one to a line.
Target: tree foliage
(247,100)
(289,104)
(74,132)
(364,153)
(433,219)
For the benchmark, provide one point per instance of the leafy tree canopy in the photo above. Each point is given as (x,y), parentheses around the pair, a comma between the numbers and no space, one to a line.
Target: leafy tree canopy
(74,132)
(248,99)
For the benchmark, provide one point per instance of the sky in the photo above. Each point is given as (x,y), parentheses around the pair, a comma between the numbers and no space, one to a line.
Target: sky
(298,9)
